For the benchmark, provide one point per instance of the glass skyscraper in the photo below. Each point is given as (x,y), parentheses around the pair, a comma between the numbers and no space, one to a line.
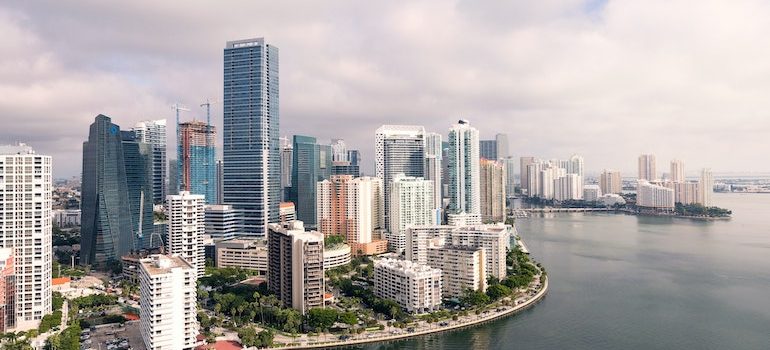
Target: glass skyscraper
(106,232)
(153,132)
(464,176)
(251,173)
(196,153)
(400,149)
(311,164)
(138,162)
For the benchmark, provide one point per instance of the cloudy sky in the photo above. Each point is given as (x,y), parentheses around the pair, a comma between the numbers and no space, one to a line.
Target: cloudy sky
(608,80)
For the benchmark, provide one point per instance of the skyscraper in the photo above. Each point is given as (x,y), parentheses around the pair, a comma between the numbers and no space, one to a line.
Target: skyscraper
(137,158)
(492,191)
(153,132)
(677,171)
(251,150)
(287,152)
(344,161)
(524,163)
(25,208)
(197,160)
(306,172)
(610,181)
(173,177)
(186,227)
(464,181)
(647,169)
(399,149)
(106,231)
(502,146)
(433,169)
(411,200)
(706,187)
(576,166)
(488,149)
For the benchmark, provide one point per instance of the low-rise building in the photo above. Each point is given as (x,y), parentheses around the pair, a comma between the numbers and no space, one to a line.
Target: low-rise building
(591,193)
(250,254)
(415,287)
(650,196)
(461,268)
(66,217)
(336,255)
(222,221)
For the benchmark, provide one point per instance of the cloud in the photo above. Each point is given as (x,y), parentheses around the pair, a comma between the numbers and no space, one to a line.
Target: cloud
(608,80)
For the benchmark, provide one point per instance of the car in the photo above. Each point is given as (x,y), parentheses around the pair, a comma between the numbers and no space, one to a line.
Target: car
(344,337)
(443,324)
(410,329)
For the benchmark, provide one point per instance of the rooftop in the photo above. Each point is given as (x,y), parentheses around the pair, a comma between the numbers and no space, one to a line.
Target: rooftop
(161,264)
(19,148)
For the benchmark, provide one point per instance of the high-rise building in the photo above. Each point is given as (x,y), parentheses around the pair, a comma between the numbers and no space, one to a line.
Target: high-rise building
(25,209)
(287,154)
(295,266)
(168,303)
(502,146)
(415,287)
(344,161)
(137,157)
(493,196)
(654,196)
(488,149)
(576,166)
(173,177)
(462,268)
(252,163)
(706,187)
(568,187)
(221,221)
(647,169)
(153,133)
(411,205)
(510,179)
(464,181)
(524,163)
(677,171)
(310,162)
(399,149)
(433,157)
(592,193)
(684,192)
(494,239)
(106,231)
(220,181)
(610,181)
(287,212)
(197,160)
(352,207)
(186,227)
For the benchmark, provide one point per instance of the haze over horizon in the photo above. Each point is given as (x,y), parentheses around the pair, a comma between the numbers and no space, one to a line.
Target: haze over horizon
(606,80)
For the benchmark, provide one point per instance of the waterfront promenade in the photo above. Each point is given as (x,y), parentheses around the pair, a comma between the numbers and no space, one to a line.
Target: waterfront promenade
(530,297)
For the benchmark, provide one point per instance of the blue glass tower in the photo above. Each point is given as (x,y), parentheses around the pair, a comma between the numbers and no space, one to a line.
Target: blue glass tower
(311,163)
(252,168)
(138,161)
(197,159)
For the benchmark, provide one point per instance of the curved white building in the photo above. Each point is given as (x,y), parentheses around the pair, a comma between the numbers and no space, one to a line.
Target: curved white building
(336,256)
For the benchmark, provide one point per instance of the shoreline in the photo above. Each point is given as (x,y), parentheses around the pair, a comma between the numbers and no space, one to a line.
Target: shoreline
(493,316)
(628,212)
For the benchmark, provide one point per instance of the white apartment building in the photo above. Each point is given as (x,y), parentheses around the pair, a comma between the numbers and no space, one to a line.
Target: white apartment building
(684,192)
(610,181)
(296,265)
(568,187)
(420,238)
(494,239)
(463,168)
(591,193)
(461,268)
(411,204)
(168,303)
(399,149)
(654,196)
(677,171)
(186,227)
(250,254)
(25,226)
(433,167)
(464,219)
(416,287)
(647,167)
(706,187)
(336,256)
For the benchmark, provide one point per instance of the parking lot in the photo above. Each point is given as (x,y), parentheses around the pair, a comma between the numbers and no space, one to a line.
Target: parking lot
(114,337)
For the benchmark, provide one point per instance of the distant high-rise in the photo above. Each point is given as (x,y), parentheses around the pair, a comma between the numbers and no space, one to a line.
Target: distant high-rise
(510,182)
(464,181)
(220,181)
(647,169)
(411,200)
(399,149)
(153,132)
(492,191)
(654,196)
(488,149)
(197,160)
(610,182)
(287,152)
(576,165)
(344,161)
(433,169)
(706,187)
(25,210)
(677,171)
(186,227)
(173,177)
(524,163)
(252,163)
(106,231)
(502,146)
(137,157)
(306,172)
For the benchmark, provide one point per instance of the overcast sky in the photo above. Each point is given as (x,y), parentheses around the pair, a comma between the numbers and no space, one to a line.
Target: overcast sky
(608,80)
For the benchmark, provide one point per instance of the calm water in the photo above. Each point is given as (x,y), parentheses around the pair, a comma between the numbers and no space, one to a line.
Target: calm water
(626,282)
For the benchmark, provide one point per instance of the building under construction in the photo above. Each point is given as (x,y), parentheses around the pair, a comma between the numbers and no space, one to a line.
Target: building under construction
(197,159)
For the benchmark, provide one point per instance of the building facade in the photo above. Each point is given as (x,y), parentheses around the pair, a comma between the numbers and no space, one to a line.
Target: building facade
(706,187)
(186,227)
(312,163)
(411,201)
(415,287)
(252,163)
(464,180)
(650,196)
(197,160)
(249,254)
(296,266)
(351,207)
(647,167)
(221,221)
(153,133)
(495,240)
(137,157)
(610,181)
(462,268)
(493,195)
(677,171)
(399,149)
(433,170)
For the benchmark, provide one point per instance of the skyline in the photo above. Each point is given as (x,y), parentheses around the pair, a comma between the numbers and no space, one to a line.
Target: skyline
(549,75)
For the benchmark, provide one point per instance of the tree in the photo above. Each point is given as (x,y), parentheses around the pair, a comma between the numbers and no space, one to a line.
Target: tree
(248,336)
(321,319)
(349,318)
(498,291)
(474,298)
(291,321)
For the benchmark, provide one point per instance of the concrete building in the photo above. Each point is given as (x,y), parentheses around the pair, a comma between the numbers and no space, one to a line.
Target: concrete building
(488,149)
(576,166)
(25,209)
(186,227)
(494,239)
(351,207)
(296,266)
(464,219)
(647,167)
(652,196)
(462,268)
(221,221)
(464,178)
(706,187)
(568,187)
(411,204)
(677,171)
(168,303)
(591,193)
(336,256)
(196,157)
(252,161)
(287,212)
(415,287)
(524,163)
(433,169)
(153,133)
(249,254)
(66,217)
(610,181)
(399,149)
(421,238)
(493,195)
(344,161)
(684,192)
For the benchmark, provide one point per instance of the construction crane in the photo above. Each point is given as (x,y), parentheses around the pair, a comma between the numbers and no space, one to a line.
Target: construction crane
(209,137)
(208,104)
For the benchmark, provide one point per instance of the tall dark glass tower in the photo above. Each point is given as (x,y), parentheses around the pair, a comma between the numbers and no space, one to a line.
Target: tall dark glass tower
(311,163)
(106,231)
(252,168)
(138,161)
